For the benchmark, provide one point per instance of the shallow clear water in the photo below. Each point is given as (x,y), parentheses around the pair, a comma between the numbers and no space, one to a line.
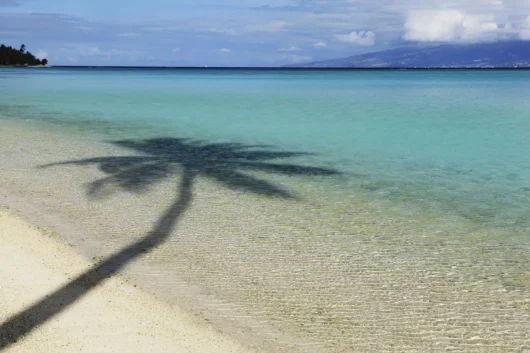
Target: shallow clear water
(419,240)
(454,141)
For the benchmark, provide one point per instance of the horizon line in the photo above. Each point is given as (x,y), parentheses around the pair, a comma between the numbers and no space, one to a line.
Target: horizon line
(283,68)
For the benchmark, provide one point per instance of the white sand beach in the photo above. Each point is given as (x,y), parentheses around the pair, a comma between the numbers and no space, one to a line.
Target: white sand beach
(113,317)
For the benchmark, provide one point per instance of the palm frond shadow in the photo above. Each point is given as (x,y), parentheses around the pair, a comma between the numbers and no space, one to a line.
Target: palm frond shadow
(156,160)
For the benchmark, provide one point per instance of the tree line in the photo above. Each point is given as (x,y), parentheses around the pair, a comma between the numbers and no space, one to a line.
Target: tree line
(19,57)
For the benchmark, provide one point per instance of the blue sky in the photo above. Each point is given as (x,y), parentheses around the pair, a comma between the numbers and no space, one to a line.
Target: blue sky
(248,32)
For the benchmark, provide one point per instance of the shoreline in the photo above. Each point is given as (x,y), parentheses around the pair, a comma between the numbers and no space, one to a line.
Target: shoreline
(114,317)
(60,214)
(380,276)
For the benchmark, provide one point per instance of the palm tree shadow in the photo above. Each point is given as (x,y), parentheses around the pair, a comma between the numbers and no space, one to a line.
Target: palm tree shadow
(156,160)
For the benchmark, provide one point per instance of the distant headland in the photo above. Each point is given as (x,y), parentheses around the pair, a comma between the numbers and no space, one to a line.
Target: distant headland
(514,54)
(10,56)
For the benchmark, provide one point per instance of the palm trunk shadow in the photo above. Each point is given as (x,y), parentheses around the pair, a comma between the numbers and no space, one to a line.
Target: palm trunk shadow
(24,322)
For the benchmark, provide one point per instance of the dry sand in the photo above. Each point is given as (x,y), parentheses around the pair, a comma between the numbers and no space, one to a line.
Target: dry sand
(113,317)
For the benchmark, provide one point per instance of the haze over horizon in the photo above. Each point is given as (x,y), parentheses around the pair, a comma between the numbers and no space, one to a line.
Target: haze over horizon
(248,32)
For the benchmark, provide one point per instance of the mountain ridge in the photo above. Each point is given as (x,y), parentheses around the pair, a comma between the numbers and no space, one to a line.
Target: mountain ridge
(505,54)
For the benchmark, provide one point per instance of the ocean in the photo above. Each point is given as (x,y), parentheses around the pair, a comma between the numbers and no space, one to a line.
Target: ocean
(372,211)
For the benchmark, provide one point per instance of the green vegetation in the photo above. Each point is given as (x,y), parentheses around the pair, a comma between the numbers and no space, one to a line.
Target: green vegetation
(19,57)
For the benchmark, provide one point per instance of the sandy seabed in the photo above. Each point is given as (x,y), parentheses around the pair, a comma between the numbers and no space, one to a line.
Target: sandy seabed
(321,273)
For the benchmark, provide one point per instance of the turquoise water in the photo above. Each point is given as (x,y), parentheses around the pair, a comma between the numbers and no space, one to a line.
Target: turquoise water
(413,238)
(452,141)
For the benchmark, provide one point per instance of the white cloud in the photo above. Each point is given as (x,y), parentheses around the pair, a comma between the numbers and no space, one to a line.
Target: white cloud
(95,51)
(175,50)
(449,26)
(320,44)
(289,49)
(91,51)
(330,16)
(524,29)
(271,27)
(225,50)
(229,31)
(85,29)
(366,38)
(41,54)
(497,3)
(293,58)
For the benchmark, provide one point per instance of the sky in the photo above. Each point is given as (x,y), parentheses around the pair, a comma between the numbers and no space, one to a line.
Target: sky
(248,32)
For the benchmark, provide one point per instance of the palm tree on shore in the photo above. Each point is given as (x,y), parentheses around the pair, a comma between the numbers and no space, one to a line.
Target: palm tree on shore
(155,160)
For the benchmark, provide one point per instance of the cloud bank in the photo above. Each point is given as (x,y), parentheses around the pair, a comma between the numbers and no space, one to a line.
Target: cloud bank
(524,29)
(449,26)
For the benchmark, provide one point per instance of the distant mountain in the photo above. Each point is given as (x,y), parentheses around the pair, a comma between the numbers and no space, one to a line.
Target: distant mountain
(483,55)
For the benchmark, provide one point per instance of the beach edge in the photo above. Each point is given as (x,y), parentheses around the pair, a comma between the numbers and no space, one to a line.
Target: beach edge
(113,317)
